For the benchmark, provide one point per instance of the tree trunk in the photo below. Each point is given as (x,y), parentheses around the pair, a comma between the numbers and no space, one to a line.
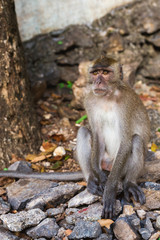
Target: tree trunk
(19,132)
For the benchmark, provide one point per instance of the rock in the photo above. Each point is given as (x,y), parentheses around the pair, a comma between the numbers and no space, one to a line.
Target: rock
(4,206)
(123,230)
(51,212)
(21,192)
(155,39)
(83,198)
(150,70)
(48,228)
(134,221)
(104,236)
(145,233)
(85,229)
(59,151)
(21,166)
(91,213)
(19,221)
(148,225)
(152,215)
(152,185)
(141,214)
(152,200)
(54,196)
(155,236)
(6,235)
(158,222)
(69,73)
(128,210)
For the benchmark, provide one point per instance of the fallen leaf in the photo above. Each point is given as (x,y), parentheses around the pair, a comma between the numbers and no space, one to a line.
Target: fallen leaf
(2,191)
(57,165)
(58,137)
(105,223)
(56,158)
(48,145)
(82,183)
(68,232)
(154,147)
(83,210)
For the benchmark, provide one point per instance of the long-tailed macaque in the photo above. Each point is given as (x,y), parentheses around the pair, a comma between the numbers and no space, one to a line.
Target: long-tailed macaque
(117,136)
(114,145)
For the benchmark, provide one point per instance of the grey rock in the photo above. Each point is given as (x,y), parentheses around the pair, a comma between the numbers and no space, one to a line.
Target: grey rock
(83,198)
(21,166)
(150,70)
(155,39)
(148,225)
(85,229)
(145,233)
(123,230)
(152,215)
(51,212)
(48,228)
(152,185)
(6,235)
(158,222)
(40,239)
(19,221)
(4,206)
(90,213)
(22,191)
(54,195)
(134,221)
(104,236)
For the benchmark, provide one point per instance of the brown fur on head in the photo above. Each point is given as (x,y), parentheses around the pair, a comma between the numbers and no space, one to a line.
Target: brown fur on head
(104,62)
(105,74)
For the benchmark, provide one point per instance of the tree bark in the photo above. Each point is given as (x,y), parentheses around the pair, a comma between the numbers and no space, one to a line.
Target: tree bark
(19,132)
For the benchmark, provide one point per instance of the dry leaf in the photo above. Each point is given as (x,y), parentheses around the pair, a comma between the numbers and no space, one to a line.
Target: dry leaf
(82,183)
(58,137)
(48,145)
(105,223)
(2,191)
(154,147)
(68,232)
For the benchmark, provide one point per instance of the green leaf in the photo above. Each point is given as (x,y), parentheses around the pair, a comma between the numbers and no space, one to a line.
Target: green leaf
(67,157)
(69,84)
(60,42)
(57,165)
(159,131)
(5,169)
(81,119)
(61,85)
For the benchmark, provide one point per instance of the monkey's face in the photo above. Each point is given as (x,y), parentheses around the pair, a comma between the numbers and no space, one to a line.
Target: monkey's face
(101,80)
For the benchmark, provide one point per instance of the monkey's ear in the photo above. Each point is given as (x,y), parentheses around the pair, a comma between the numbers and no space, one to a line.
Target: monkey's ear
(121,72)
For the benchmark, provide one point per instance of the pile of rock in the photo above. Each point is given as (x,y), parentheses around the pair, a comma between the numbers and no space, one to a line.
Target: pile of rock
(39,209)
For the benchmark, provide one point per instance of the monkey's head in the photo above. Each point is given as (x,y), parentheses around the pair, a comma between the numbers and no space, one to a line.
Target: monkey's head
(104,74)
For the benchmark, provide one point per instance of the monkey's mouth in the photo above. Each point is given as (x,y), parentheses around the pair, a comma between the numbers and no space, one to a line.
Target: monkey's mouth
(99,91)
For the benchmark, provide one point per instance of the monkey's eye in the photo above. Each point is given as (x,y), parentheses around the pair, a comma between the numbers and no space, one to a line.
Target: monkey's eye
(95,73)
(105,72)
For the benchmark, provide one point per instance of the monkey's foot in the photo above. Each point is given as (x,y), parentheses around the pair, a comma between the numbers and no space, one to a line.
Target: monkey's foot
(134,190)
(94,187)
(109,206)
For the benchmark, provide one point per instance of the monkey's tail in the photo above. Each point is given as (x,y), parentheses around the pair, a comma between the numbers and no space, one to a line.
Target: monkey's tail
(64,176)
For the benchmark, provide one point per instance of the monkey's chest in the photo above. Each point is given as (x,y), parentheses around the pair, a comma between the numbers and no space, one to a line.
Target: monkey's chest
(109,133)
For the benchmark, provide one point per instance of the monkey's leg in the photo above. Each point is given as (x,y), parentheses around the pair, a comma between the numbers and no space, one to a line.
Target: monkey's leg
(83,152)
(133,169)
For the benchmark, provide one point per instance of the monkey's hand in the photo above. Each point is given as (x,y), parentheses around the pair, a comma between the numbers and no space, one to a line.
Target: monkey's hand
(109,203)
(96,184)
(134,190)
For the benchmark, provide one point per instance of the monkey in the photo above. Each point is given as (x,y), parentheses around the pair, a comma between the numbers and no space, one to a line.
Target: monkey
(114,145)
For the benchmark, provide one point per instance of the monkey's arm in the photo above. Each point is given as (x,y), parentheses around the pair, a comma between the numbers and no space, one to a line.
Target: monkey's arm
(64,176)
(109,195)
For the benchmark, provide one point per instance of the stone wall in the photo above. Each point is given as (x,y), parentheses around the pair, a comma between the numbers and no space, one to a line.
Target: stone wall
(42,16)
(130,33)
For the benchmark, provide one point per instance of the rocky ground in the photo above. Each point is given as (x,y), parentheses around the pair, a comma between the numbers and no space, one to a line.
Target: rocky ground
(36,209)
